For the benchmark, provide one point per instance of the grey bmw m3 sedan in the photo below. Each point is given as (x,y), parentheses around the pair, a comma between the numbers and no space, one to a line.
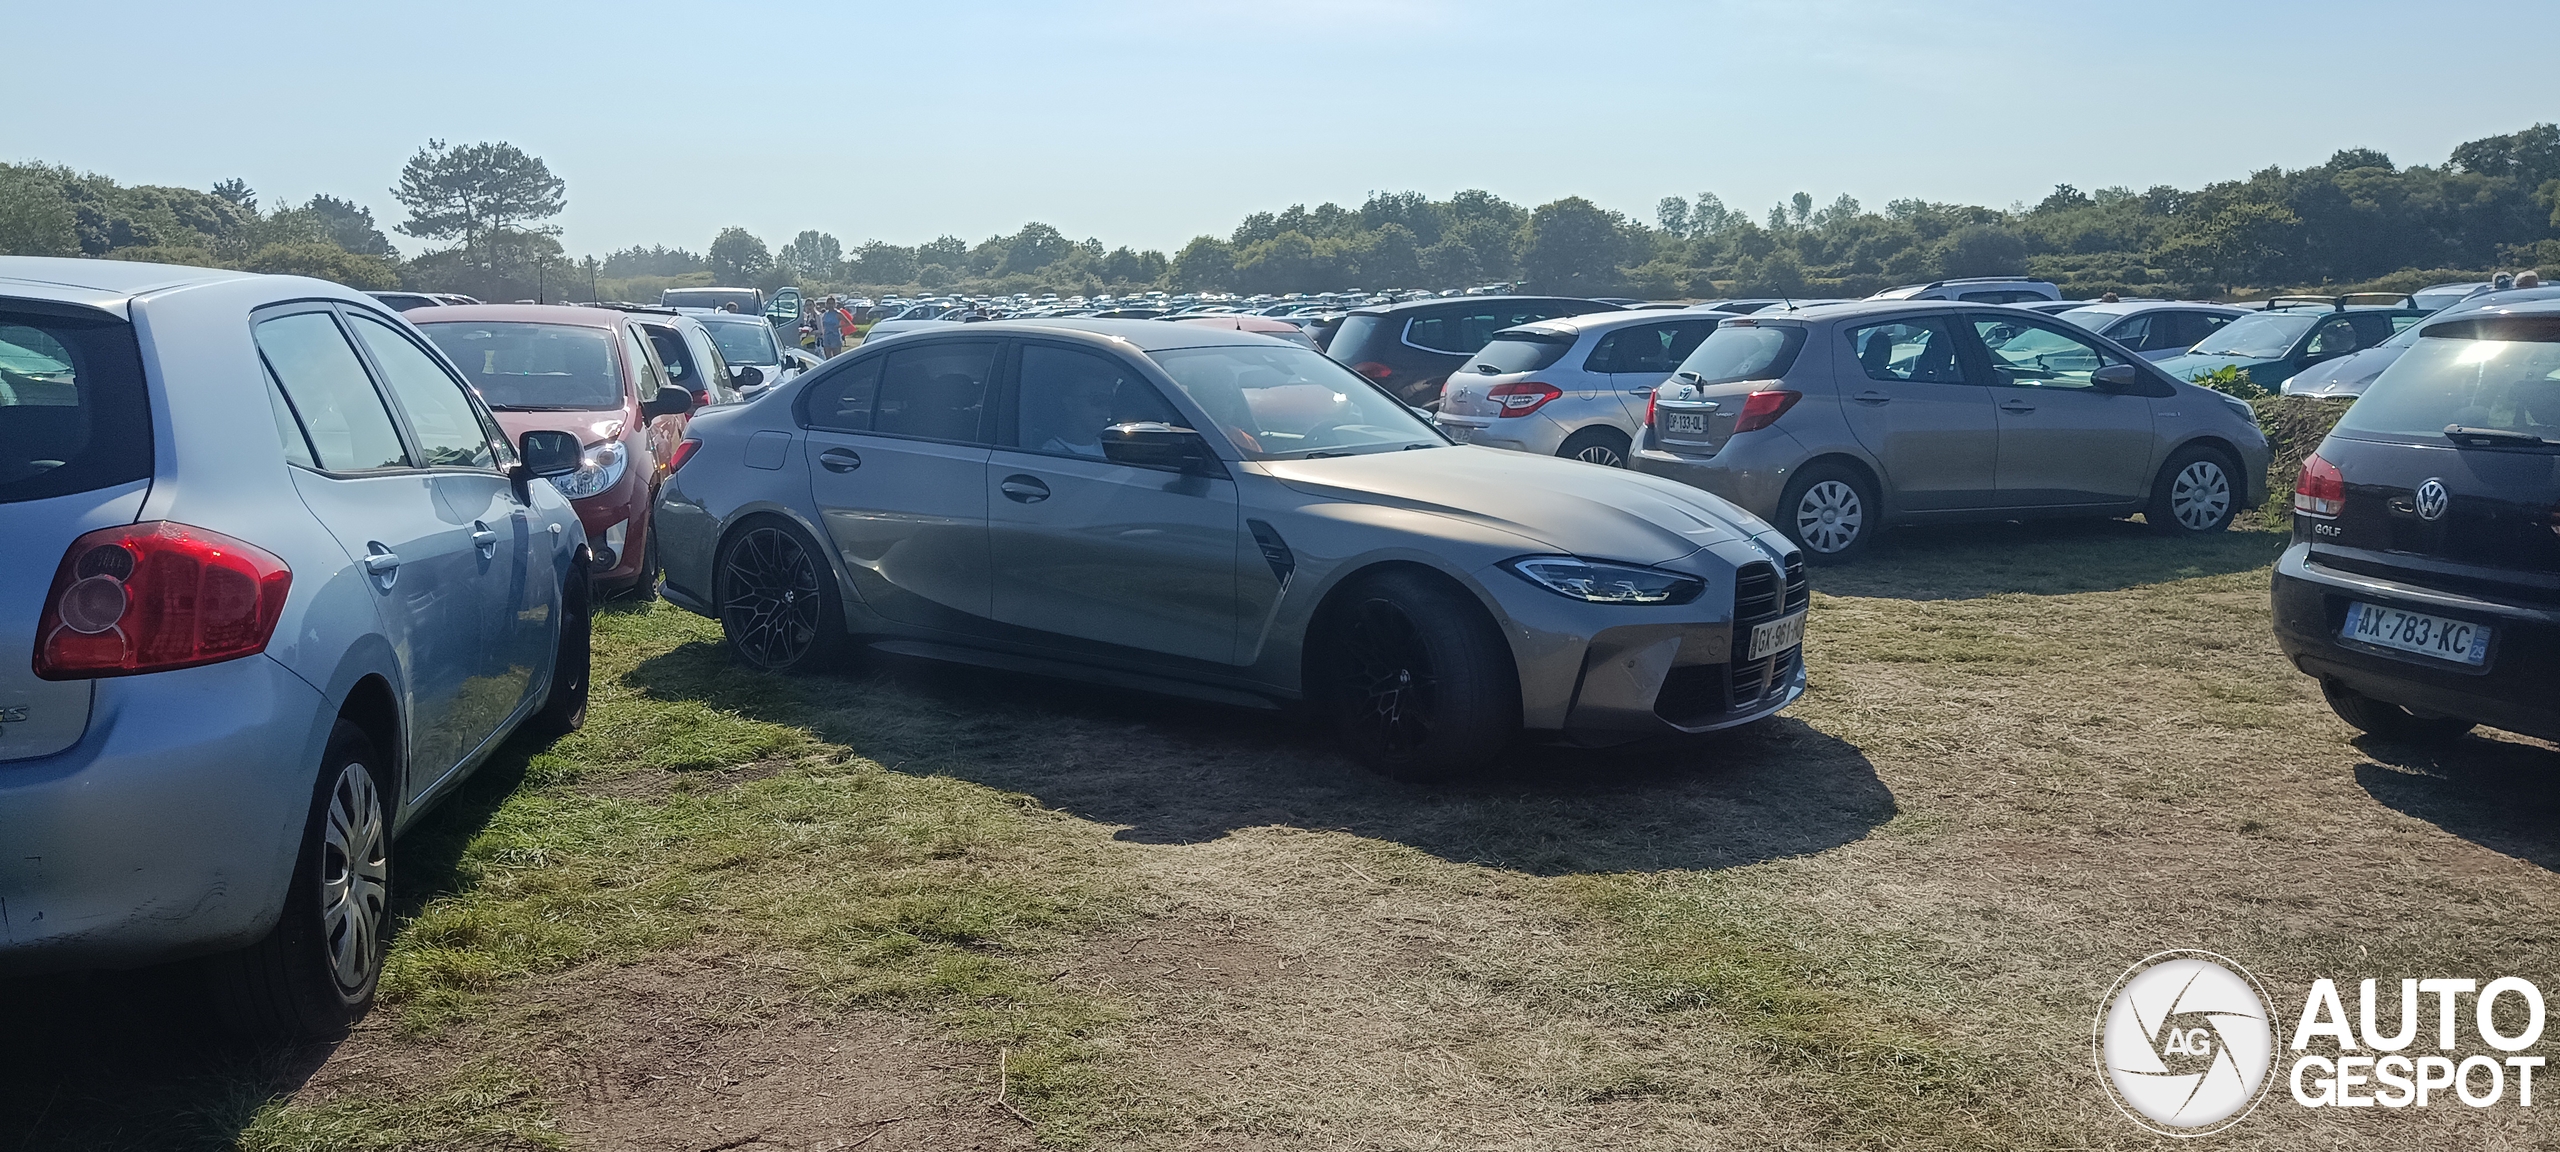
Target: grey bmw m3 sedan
(1230,517)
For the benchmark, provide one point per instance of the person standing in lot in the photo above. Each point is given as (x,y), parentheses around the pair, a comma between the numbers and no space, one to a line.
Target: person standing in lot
(830,329)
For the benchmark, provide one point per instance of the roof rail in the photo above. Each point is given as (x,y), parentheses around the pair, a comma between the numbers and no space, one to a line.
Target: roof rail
(2338,303)
(1991,280)
(2398,299)
(628,306)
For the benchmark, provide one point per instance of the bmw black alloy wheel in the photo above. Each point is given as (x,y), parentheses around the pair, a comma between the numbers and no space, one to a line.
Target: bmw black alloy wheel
(774,604)
(1391,687)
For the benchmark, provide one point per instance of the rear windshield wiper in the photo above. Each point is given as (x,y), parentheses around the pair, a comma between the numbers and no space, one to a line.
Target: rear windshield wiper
(2461,434)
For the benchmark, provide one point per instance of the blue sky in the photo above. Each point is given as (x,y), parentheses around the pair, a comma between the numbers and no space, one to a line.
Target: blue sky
(1148,123)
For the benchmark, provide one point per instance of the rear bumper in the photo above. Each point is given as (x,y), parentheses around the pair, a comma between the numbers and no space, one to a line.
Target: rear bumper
(1751,470)
(1535,434)
(2514,691)
(170,829)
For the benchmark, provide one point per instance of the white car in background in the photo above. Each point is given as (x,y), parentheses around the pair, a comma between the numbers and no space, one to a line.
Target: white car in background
(1574,386)
(748,343)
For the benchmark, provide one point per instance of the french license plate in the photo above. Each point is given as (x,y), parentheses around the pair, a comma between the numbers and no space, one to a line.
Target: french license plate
(1685,423)
(2460,641)
(1776,636)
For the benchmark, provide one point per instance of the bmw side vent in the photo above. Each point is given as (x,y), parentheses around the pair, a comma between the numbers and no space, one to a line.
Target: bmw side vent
(1275,551)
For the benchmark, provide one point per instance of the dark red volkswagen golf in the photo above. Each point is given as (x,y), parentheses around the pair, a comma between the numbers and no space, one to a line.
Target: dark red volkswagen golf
(2423,583)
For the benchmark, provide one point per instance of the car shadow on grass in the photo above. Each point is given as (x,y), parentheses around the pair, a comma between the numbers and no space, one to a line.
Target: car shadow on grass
(1175,772)
(2502,794)
(133,1060)
(2040,557)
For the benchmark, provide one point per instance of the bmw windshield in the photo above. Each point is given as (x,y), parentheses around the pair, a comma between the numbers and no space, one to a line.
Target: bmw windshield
(2264,336)
(1277,402)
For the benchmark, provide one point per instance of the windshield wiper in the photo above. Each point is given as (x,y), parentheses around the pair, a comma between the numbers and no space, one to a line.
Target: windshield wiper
(2461,434)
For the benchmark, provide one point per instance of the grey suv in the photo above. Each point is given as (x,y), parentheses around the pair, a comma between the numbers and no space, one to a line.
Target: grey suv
(1836,422)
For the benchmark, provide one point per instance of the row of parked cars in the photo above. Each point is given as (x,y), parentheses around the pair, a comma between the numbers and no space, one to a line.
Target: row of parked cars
(291,563)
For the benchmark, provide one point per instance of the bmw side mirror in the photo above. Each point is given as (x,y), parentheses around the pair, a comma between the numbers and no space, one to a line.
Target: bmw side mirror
(2116,378)
(547,453)
(1149,444)
(670,401)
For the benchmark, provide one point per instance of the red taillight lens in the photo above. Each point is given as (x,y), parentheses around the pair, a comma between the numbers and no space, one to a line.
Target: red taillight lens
(1522,398)
(1373,370)
(1762,409)
(154,596)
(2321,490)
(684,451)
(1648,409)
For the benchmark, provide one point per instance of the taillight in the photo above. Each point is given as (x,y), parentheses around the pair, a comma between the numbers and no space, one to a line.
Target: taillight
(1762,409)
(1648,409)
(684,451)
(2321,490)
(1373,370)
(1522,398)
(154,596)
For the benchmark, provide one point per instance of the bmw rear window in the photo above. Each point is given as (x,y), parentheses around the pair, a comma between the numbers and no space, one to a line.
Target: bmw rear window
(1518,352)
(1744,351)
(73,412)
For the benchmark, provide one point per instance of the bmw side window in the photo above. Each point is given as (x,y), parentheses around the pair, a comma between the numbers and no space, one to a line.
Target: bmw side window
(935,392)
(2024,353)
(842,400)
(1919,350)
(1066,398)
(449,433)
(350,429)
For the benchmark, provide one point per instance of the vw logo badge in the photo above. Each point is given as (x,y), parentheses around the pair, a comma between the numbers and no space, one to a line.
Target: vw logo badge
(2432,499)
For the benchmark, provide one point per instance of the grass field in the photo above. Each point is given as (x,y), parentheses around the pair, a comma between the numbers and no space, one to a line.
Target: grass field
(920,907)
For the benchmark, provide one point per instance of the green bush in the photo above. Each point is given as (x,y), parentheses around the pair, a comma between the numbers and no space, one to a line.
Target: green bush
(2232,380)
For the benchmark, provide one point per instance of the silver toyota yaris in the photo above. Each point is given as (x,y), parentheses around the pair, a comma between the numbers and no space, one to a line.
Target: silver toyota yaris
(1225,516)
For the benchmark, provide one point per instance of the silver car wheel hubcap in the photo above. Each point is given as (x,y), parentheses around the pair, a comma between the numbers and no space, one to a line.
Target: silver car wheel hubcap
(355,876)
(2200,495)
(1830,516)
(1601,454)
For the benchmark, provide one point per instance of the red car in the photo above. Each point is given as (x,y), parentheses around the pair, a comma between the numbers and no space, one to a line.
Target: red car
(591,372)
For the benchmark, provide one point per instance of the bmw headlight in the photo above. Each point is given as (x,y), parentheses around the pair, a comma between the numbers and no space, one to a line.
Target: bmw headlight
(1601,582)
(598,470)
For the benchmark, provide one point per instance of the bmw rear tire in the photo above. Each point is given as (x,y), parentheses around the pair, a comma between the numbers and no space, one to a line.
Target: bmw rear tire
(777,597)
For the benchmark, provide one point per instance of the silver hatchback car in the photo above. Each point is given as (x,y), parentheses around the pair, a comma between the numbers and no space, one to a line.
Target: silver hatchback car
(1226,516)
(1574,386)
(275,582)
(1835,422)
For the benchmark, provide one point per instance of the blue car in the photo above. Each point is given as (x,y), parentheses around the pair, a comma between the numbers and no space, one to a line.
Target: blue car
(2294,333)
(2349,375)
(275,584)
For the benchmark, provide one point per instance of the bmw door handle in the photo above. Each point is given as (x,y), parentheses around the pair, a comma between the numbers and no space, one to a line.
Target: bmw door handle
(1024,489)
(1871,396)
(839,460)
(2017,407)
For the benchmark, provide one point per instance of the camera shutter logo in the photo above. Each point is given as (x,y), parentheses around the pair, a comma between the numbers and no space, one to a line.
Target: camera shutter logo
(2432,499)
(2183,1043)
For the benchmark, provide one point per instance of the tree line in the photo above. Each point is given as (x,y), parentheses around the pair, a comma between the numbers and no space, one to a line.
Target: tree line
(2357,220)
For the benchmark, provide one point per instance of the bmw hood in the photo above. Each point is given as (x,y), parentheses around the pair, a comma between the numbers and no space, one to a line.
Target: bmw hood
(1567,505)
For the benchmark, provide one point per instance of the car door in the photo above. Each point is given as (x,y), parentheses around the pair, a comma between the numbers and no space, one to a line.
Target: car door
(1090,550)
(365,485)
(2063,440)
(897,462)
(466,453)
(1640,357)
(1908,399)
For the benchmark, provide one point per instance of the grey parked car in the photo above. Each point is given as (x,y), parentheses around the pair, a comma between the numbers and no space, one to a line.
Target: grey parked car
(2153,329)
(1033,495)
(1838,421)
(1574,386)
(275,583)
